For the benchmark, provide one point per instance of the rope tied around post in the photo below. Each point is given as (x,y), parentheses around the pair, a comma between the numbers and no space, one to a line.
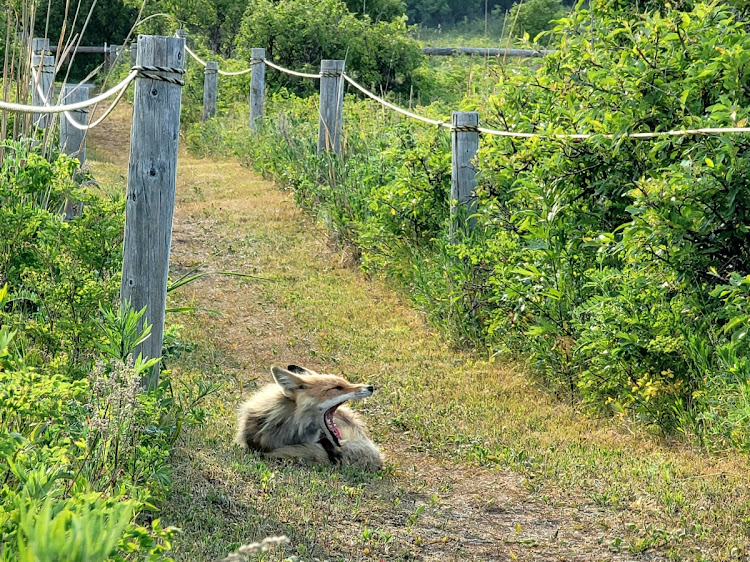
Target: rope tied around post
(464,129)
(147,71)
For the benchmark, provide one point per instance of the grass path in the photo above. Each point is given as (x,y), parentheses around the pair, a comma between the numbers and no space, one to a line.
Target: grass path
(482,464)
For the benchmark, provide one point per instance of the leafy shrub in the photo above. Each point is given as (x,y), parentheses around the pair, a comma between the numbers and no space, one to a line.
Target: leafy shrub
(299,34)
(78,463)
(533,17)
(611,248)
(58,272)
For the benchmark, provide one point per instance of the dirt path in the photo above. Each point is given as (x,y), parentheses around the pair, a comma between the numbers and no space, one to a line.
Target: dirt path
(481,465)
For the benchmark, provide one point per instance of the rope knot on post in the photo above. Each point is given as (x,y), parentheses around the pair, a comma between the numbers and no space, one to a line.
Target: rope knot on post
(148,71)
(465,128)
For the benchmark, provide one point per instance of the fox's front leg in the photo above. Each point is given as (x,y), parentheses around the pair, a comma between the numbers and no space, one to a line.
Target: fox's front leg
(333,452)
(306,451)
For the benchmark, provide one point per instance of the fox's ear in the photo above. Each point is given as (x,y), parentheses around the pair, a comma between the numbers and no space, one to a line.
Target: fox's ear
(297,370)
(289,382)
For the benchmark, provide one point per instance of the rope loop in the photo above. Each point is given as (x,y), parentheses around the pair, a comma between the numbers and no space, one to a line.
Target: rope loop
(465,129)
(147,71)
(329,74)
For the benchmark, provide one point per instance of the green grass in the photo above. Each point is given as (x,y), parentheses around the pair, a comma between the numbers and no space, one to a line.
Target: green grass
(482,463)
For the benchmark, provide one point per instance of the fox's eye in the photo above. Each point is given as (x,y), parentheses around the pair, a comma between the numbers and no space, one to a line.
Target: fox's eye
(339,387)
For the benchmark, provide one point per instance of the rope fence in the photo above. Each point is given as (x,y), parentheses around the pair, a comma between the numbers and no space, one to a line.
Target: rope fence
(483,130)
(120,89)
(62,108)
(155,134)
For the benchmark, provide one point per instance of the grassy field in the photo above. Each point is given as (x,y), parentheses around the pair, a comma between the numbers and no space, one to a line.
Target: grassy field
(483,464)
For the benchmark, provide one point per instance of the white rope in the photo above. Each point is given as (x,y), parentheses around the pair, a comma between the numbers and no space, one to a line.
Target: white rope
(222,72)
(395,107)
(570,136)
(21,108)
(239,72)
(192,54)
(225,73)
(292,72)
(123,86)
(652,135)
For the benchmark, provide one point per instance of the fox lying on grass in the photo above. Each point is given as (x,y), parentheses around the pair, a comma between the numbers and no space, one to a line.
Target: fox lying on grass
(302,416)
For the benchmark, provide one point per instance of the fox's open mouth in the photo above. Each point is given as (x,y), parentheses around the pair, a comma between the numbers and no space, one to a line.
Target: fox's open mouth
(331,426)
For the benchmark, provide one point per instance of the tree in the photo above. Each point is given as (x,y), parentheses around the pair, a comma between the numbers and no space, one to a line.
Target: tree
(377,10)
(299,33)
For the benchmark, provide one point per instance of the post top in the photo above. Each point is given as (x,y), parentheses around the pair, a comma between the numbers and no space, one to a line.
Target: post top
(212,66)
(159,50)
(332,66)
(465,119)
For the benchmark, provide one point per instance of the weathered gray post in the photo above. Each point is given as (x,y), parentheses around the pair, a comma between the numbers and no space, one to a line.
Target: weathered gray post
(72,139)
(152,174)
(331,106)
(112,53)
(465,140)
(257,86)
(133,52)
(44,66)
(39,45)
(210,88)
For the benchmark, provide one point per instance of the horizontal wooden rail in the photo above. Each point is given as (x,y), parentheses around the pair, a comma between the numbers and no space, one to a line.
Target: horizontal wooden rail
(84,50)
(483,51)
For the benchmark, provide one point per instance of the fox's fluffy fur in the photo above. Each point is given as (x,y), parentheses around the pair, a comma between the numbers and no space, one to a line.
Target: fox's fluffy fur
(302,416)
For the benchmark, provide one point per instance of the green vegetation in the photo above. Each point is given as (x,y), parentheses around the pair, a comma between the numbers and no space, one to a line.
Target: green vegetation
(300,34)
(533,17)
(84,452)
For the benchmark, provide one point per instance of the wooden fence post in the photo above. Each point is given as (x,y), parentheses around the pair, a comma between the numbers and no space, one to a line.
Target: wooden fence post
(465,141)
(210,89)
(73,140)
(39,45)
(152,175)
(257,86)
(133,52)
(113,54)
(44,65)
(331,106)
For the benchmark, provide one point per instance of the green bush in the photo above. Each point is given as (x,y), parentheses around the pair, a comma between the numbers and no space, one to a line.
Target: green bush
(611,248)
(298,34)
(83,450)
(58,272)
(533,17)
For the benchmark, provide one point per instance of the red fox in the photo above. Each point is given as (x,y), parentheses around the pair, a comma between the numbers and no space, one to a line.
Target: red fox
(303,416)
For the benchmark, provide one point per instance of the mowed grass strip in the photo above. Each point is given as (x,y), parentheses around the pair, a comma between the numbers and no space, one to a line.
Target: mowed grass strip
(483,464)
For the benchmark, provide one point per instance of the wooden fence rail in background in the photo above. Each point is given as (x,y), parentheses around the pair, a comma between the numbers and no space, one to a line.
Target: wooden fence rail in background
(484,52)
